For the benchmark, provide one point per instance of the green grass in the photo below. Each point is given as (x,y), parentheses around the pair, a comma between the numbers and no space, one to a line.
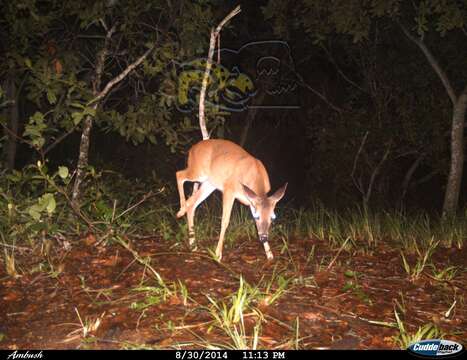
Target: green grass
(367,229)
(32,221)
(405,338)
(422,260)
(229,318)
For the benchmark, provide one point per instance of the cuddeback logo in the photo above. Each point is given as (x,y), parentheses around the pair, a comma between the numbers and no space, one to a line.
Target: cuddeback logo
(435,347)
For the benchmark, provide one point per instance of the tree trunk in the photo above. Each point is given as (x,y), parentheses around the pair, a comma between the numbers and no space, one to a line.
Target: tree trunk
(451,197)
(82,160)
(87,124)
(11,113)
(98,96)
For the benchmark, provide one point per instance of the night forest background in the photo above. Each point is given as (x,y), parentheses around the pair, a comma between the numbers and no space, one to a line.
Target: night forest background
(358,104)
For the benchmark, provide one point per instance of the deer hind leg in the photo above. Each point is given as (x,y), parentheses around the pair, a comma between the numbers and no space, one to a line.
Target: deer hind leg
(181,178)
(227,203)
(189,174)
(195,188)
(199,195)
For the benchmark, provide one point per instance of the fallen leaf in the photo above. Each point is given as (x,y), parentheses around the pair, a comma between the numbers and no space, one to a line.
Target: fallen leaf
(11,296)
(312,316)
(90,239)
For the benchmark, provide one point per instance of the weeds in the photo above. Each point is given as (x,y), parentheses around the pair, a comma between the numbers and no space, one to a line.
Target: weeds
(154,295)
(183,290)
(421,263)
(35,215)
(353,285)
(446,274)
(229,318)
(276,287)
(409,232)
(404,339)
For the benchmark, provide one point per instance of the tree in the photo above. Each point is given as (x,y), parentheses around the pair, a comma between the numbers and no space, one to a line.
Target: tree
(94,65)
(98,96)
(11,116)
(16,34)
(428,24)
(449,15)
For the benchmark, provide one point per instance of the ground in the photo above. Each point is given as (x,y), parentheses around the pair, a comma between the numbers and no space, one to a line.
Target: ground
(104,297)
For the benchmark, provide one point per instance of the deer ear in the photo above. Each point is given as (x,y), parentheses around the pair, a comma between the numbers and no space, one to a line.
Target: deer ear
(279,193)
(250,194)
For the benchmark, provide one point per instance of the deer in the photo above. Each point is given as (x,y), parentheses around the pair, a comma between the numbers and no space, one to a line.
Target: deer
(218,164)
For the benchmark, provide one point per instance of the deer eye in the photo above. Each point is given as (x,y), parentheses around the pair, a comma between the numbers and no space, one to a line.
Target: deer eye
(254,213)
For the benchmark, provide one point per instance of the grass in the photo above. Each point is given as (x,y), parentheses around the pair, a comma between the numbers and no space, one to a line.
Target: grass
(405,338)
(368,229)
(29,223)
(423,258)
(446,274)
(229,318)
(350,230)
(154,295)
(274,288)
(352,284)
(415,236)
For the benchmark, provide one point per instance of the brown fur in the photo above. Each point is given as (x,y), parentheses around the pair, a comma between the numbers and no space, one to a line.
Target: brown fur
(225,166)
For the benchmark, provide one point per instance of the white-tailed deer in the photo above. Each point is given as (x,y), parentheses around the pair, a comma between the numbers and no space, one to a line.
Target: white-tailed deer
(225,166)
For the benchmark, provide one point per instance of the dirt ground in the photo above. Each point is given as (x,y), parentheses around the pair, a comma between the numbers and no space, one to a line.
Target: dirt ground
(323,307)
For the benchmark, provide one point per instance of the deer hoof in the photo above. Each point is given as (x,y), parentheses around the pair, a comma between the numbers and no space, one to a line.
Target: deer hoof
(181,212)
(192,243)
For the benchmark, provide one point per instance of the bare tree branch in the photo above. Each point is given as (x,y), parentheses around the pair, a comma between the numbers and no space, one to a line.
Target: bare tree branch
(59,140)
(121,76)
(366,193)
(374,173)
(408,176)
(212,43)
(318,94)
(341,73)
(16,136)
(357,184)
(433,62)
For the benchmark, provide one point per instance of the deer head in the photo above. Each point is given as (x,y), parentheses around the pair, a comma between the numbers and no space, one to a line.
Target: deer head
(262,209)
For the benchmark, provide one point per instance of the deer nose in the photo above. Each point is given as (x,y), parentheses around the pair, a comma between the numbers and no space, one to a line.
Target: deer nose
(263,238)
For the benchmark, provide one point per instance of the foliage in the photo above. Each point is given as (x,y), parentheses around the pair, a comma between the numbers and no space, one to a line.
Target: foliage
(56,59)
(35,211)
(404,339)
(384,86)
(51,49)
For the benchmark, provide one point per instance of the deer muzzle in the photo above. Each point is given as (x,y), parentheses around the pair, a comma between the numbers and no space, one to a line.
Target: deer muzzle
(263,238)
(268,251)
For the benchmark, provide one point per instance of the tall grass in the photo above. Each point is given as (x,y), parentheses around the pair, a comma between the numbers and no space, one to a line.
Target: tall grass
(229,318)
(28,217)
(407,231)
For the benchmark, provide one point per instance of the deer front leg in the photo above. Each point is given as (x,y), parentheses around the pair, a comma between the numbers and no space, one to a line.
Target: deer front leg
(199,195)
(227,203)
